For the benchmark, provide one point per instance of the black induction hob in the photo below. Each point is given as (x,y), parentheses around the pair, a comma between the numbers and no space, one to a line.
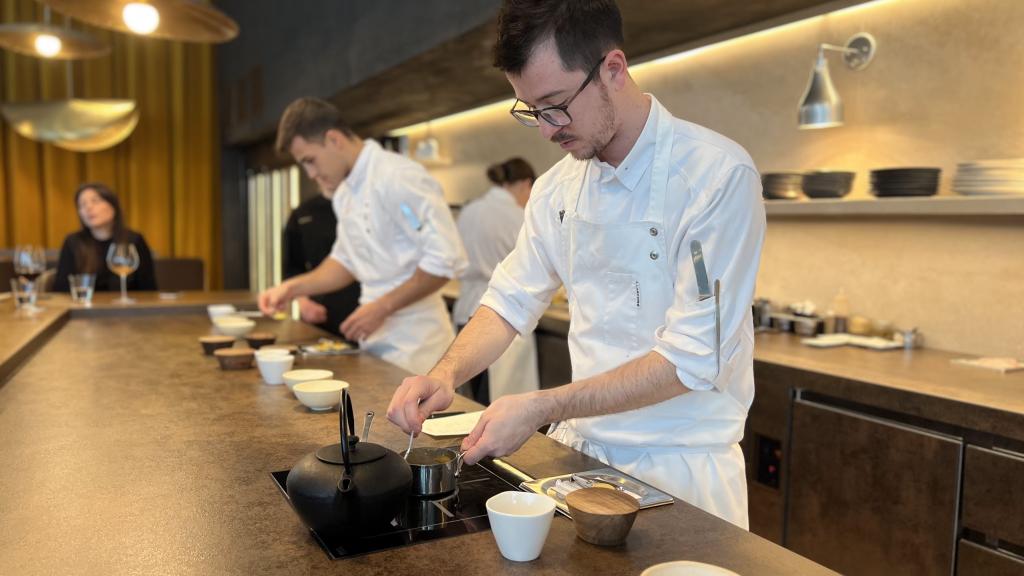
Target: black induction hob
(422,519)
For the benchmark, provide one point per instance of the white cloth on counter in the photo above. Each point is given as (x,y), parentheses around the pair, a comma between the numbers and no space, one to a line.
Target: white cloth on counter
(618,238)
(489,227)
(392,219)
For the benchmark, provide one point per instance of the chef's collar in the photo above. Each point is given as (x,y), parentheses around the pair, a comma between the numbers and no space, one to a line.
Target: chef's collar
(357,176)
(640,156)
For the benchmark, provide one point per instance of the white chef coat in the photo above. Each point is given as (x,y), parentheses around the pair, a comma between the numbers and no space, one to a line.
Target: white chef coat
(489,226)
(619,239)
(392,219)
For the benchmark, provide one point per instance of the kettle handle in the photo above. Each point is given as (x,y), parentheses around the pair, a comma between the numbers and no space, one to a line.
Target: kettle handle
(346,417)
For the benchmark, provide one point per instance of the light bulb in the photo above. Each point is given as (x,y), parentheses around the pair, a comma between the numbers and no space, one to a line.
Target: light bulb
(140,18)
(47,45)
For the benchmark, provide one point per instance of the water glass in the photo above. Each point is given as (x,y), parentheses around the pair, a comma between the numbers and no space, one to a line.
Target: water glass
(82,286)
(24,293)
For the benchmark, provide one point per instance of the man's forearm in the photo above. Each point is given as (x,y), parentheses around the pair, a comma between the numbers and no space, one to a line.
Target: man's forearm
(329,276)
(647,380)
(478,345)
(417,287)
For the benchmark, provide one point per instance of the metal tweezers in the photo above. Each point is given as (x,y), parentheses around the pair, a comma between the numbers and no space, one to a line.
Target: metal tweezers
(704,292)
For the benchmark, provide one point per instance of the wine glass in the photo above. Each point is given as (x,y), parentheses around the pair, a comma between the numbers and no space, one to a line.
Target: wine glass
(123,259)
(29,264)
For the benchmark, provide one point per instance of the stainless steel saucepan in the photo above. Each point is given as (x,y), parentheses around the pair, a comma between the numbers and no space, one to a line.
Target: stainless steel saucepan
(434,470)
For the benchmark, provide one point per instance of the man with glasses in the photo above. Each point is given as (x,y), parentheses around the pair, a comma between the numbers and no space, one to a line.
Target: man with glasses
(655,226)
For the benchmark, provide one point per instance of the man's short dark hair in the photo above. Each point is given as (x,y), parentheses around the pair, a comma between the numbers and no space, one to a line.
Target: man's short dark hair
(584,31)
(309,118)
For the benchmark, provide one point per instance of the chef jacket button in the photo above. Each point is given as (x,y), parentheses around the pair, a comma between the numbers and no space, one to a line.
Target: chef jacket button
(654,231)
(654,255)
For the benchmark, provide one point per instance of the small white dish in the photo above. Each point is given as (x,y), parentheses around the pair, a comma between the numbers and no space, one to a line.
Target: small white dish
(273,366)
(686,568)
(217,310)
(320,394)
(233,325)
(520,522)
(293,377)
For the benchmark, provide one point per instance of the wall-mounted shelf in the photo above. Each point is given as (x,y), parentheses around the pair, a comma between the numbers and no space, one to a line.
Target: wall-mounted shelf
(931,206)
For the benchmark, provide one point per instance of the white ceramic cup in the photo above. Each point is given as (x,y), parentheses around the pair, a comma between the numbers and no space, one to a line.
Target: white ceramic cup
(520,522)
(273,366)
(686,568)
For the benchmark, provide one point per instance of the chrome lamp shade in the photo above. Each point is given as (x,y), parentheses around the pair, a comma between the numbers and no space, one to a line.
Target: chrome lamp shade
(821,106)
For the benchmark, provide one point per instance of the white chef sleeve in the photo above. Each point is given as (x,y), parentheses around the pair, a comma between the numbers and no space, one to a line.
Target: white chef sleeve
(730,225)
(521,287)
(416,201)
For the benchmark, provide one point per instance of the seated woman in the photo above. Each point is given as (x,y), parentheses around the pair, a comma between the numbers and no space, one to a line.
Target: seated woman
(85,251)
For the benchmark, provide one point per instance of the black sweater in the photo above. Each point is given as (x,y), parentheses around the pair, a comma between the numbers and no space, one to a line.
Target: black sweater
(308,238)
(82,254)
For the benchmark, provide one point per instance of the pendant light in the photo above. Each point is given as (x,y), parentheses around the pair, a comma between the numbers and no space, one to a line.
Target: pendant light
(184,20)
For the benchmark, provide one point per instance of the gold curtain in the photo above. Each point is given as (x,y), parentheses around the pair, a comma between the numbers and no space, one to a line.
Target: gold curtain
(166,173)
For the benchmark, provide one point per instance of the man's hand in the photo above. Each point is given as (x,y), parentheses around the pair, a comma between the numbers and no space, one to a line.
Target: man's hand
(274,299)
(365,320)
(505,426)
(311,312)
(417,398)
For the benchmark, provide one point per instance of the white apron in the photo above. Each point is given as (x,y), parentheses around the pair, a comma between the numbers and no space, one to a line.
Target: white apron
(620,284)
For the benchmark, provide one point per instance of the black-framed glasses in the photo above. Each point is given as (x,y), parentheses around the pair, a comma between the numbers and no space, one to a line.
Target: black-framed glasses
(554,115)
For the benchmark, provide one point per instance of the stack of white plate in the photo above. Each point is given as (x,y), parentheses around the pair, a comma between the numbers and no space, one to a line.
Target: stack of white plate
(990,177)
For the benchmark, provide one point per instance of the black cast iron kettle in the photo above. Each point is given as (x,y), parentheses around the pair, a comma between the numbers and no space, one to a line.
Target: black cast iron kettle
(351,486)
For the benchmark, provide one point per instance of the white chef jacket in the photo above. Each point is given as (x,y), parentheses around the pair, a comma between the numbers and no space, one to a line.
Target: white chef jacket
(489,226)
(713,195)
(392,219)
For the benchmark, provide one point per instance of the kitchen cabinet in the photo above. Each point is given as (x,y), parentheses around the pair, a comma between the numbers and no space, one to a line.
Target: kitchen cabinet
(869,495)
(993,500)
(553,362)
(976,560)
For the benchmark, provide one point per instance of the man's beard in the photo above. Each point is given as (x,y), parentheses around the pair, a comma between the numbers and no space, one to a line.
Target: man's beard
(605,132)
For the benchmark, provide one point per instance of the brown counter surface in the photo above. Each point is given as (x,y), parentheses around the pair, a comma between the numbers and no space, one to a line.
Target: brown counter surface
(128,451)
(922,382)
(22,333)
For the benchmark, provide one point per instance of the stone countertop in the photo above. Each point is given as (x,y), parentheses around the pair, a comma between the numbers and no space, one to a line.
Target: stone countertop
(128,451)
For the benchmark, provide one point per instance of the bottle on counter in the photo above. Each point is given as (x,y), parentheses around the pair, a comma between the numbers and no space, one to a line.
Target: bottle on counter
(841,310)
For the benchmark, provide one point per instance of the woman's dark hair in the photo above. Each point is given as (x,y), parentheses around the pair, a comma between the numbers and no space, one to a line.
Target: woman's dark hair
(584,31)
(509,171)
(86,253)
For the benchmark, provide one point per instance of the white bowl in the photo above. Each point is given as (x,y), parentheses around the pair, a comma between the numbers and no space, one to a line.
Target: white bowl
(686,568)
(217,310)
(520,522)
(293,377)
(273,366)
(320,394)
(233,325)
(266,352)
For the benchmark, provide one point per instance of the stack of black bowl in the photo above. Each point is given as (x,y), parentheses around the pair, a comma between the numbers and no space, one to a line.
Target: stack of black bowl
(828,184)
(905,182)
(782,185)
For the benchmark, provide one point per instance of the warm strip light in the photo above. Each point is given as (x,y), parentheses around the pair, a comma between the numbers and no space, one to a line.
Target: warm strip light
(48,45)
(140,18)
(645,66)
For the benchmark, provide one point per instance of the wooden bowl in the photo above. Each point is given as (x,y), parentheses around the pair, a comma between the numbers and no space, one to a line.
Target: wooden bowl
(259,339)
(211,343)
(602,516)
(234,358)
